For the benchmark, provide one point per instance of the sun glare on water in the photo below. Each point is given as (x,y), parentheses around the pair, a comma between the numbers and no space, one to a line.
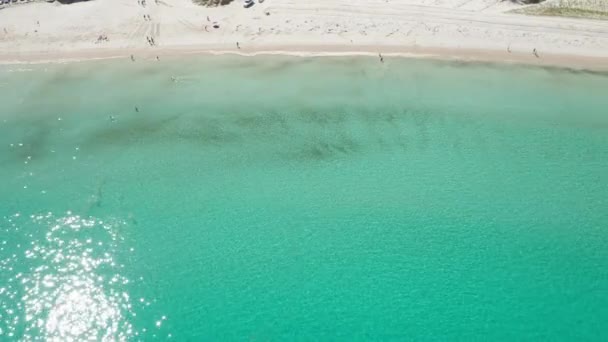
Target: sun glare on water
(69,284)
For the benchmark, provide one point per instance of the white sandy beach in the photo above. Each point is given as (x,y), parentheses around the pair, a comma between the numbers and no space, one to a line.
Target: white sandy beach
(461,29)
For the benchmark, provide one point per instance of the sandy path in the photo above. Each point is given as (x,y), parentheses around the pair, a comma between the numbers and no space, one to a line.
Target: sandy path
(477,29)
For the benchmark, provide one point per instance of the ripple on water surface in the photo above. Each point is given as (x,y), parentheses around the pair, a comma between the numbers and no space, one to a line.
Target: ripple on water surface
(302,199)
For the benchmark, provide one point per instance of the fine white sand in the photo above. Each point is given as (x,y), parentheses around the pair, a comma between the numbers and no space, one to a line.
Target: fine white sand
(462,29)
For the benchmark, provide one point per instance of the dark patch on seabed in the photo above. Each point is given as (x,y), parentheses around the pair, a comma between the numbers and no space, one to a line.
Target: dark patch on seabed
(128,130)
(322,150)
(305,134)
(602,73)
(548,68)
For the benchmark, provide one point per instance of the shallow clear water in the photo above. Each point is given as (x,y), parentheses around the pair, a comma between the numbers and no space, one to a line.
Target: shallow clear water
(278,198)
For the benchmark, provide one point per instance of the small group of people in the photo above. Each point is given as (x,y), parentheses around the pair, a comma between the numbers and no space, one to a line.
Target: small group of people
(214,24)
(147,17)
(102,38)
(151,40)
(142,3)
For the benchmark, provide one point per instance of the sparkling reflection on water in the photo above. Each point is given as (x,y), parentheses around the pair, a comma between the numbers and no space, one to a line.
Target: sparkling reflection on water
(61,280)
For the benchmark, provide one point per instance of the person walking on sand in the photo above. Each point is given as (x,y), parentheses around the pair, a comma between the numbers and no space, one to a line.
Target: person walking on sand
(535,52)
(132,58)
(238,46)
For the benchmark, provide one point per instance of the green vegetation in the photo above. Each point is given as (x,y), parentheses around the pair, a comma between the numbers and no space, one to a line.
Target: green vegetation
(590,9)
(211,3)
(564,12)
(528,1)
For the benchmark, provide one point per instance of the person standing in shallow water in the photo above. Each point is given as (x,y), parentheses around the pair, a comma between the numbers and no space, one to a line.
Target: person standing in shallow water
(381,58)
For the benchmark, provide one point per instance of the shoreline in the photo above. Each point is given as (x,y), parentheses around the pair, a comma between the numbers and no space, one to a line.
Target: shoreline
(574,62)
(475,30)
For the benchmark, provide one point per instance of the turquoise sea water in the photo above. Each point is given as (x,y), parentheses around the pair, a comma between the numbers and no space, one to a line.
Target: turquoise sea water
(276,198)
